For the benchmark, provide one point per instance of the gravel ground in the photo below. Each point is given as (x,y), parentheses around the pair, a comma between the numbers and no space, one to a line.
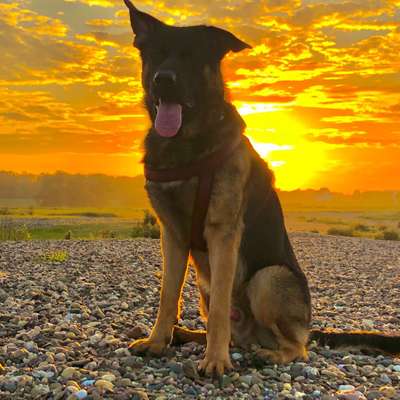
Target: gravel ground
(65,325)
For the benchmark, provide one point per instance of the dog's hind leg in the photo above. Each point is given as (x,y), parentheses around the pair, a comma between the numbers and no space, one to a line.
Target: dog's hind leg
(278,305)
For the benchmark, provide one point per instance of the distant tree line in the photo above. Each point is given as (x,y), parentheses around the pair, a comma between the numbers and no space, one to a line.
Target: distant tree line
(74,190)
(67,190)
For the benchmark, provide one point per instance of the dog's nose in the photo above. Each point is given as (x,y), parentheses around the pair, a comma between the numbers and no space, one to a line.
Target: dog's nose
(165,77)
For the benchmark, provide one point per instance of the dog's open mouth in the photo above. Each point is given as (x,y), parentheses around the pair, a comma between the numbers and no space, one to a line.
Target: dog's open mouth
(169,118)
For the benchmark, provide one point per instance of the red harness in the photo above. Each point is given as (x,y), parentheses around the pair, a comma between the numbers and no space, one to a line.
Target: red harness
(204,169)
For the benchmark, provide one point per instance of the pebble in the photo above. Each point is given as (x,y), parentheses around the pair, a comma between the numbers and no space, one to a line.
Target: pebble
(246,379)
(388,391)
(80,394)
(45,356)
(285,377)
(70,372)
(139,395)
(88,382)
(237,357)
(40,391)
(104,385)
(346,387)
(189,368)
(109,377)
(384,378)
(311,372)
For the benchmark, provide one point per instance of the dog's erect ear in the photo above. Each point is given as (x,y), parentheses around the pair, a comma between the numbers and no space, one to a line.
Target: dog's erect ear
(142,24)
(225,41)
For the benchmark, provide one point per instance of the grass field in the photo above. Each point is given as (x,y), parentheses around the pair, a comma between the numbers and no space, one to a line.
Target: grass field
(120,223)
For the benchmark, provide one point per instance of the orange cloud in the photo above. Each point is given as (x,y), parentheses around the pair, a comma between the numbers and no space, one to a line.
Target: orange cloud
(320,90)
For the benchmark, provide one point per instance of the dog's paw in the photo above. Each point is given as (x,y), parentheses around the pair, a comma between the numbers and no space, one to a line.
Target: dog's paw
(215,364)
(143,346)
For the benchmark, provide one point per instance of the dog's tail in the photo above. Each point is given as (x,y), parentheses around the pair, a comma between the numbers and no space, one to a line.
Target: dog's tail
(364,340)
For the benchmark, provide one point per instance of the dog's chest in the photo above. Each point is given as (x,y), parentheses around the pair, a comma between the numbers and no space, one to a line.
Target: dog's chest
(173,203)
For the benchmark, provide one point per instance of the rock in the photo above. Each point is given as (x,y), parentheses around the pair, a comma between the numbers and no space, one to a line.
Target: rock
(10,385)
(91,366)
(70,372)
(246,379)
(346,387)
(388,391)
(237,357)
(285,377)
(396,368)
(80,394)
(125,382)
(88,382)
(374,394)
(384,378)
(103,385)
(122,352)
(124,306)
(255,390)
(109,377)
(296,370)
(139,395)
(225,381)
(94,339)
(311,372)
(40,391)
(137,332)
(190,370)
(333,372)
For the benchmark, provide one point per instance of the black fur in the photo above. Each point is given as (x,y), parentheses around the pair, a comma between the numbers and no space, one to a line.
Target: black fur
(265,240)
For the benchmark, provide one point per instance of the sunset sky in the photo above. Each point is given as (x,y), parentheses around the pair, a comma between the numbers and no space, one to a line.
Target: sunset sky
(320,90)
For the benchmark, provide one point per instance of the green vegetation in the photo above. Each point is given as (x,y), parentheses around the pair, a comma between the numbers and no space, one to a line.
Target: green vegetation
(79,228)
(340,231)
(388,235)
(10,230)
(55,256)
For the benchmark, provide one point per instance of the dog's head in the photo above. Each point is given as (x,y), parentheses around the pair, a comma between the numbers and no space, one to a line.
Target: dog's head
(180,68)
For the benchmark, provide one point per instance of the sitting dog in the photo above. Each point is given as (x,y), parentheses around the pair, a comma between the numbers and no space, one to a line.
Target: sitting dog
(215,200)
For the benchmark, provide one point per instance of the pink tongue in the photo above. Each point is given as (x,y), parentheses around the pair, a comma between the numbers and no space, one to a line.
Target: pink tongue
(168,119)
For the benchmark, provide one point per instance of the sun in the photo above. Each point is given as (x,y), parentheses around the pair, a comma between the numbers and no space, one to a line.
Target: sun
(281,139)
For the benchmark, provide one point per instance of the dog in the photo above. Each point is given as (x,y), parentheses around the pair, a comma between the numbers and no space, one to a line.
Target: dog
(216,202)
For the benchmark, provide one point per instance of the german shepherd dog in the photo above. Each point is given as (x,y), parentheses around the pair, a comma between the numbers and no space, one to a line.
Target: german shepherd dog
(252,290)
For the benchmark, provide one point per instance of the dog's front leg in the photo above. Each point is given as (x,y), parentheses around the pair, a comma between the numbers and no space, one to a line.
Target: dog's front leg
(223,254)
(175,258)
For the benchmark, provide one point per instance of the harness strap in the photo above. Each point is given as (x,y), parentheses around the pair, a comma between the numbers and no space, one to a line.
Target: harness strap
(204,169)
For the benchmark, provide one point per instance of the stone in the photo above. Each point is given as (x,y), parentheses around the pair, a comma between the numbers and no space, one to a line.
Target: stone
(190,370)
(70,372)
(346,387)
(80,394)
(139,395)
(246,379)
(384,378)
(388,391)
(40,391)
(225,381)
(374,394)
(237,357)
(311,372)
(137,332)
(109,377)
(104,385)
(285,377)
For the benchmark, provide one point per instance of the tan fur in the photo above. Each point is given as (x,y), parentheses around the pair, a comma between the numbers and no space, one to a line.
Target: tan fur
(276,301)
